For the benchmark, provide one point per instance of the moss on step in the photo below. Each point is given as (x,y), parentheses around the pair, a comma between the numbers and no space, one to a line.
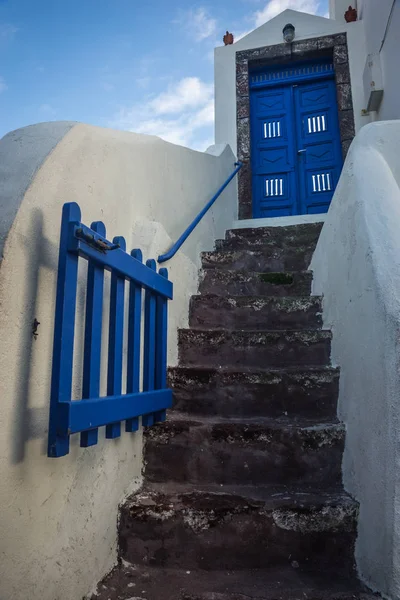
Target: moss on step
(276,278)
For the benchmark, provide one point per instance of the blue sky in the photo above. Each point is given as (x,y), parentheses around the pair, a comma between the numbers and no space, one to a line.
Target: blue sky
(140,66)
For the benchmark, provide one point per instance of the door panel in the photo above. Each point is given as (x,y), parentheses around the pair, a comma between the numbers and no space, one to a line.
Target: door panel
(295,148)
(273,159)
(317,129)
(320,152)
(273,153)
(271,100)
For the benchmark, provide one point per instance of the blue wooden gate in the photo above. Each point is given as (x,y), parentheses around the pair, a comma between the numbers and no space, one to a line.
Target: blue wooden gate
(295,139)
(85,416)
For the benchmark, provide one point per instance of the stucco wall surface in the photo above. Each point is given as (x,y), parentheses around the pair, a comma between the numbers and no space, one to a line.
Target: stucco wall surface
(22,152)
(375,16)
(357,268)
(337,8)
(58,516)
(307,26)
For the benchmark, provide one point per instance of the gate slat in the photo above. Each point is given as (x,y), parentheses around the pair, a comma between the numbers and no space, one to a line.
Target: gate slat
(93,331)
(63,346)
(149,358)
(116,340)
(161,345)
(134,324)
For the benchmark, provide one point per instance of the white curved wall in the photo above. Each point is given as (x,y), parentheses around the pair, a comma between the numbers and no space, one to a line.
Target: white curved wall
(58,516)
(357,268)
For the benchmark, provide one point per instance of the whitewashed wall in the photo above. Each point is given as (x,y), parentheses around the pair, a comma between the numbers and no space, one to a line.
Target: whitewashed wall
(357,269)
(337,8)
(375,16)
(58,517)
(307,26)
(381,37)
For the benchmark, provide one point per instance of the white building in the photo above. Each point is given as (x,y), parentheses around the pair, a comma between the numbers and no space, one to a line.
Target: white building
(291,112)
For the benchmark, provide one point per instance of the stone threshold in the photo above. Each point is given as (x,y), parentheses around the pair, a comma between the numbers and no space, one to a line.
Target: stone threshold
(279,221)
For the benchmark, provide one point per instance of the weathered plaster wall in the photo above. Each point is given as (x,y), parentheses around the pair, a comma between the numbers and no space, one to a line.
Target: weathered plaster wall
(28,148)
(375,17)
(357,268)
(337,8)
(58,516)
(307,26)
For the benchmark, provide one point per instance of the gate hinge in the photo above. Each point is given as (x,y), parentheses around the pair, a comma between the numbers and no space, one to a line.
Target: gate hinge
(97,243)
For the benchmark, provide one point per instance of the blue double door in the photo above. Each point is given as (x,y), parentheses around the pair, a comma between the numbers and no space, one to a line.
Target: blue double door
(295,148)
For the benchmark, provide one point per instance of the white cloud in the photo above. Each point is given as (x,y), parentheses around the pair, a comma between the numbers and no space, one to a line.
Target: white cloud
(204,116)
(183,114)
(190,92)
(275,7)
(198,23)
(3,85)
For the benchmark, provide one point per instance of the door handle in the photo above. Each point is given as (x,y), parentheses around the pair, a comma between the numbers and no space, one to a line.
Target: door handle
(301,151)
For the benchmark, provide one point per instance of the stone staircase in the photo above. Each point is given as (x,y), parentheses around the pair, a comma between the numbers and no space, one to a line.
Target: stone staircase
(243,494)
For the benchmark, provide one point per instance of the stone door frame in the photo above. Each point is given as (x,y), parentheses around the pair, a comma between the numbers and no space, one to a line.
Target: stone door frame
(334,46)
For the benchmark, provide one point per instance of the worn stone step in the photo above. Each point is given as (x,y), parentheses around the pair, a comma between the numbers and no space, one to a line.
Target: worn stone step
(289,393)
(259,451)
(255,312)
(264,243)
(133,582)
(263,260)
(199,528)
(245,283)
(284,595)
(305,235)
(257,349)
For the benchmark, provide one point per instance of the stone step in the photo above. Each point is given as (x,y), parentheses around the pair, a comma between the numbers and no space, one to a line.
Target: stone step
(133,582)
(195,528)
(285,595)
(201,450)
(255,312)
(259,260)
(292,236)
(289,393)
(273,243)
(255,349)
(245,283)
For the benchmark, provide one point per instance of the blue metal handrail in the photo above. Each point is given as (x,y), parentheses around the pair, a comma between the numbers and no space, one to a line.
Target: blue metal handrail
(174,249)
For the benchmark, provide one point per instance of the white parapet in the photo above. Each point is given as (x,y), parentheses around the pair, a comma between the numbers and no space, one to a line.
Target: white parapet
(357,269)
(58,517)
